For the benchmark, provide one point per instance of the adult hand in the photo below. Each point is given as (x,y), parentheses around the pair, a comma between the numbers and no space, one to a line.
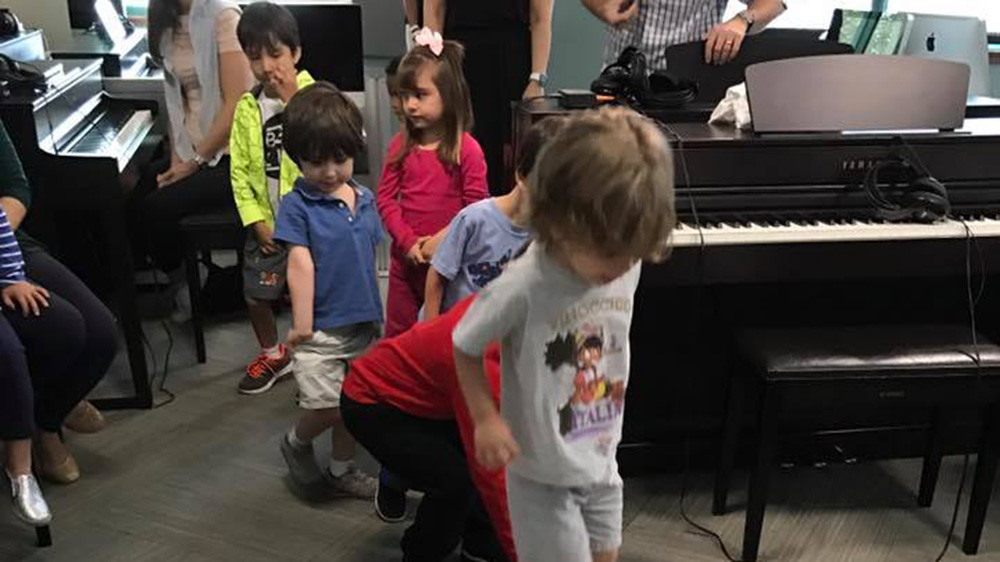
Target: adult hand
(415,255)
(495,445)
(724,41)
(265,238)
(297,336)
(533,90)
(30,298)
(176,173)
(613,12)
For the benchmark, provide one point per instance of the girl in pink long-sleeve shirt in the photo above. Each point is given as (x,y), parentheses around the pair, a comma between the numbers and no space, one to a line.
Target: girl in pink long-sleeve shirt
(434,169)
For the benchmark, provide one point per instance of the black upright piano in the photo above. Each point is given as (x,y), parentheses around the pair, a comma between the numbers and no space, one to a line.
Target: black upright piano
(778,231)
(81,149)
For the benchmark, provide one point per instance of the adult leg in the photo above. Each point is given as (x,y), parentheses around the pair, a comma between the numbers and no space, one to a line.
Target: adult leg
(483,58)
(100,343)
(17,418)
(428,454)
(207,190)
(53,343)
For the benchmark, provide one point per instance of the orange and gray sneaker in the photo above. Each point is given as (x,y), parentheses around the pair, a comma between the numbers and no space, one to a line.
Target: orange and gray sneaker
(265,371)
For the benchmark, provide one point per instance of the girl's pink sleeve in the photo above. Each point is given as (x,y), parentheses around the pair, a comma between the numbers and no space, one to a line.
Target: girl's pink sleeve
(387,202)
(473,167)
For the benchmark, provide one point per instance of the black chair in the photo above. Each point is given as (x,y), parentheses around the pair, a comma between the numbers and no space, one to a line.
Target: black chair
(203,234)
(880,367)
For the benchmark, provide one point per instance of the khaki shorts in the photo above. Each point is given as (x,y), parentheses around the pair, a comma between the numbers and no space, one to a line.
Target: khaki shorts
(322,362)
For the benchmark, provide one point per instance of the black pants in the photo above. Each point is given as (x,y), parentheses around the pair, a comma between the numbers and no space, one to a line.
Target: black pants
(428,455)
(155,214)
(50,362)
(497,66)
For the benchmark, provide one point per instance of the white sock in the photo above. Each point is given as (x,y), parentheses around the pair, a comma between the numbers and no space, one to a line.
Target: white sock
(340,468)
(272,352)
(294,441)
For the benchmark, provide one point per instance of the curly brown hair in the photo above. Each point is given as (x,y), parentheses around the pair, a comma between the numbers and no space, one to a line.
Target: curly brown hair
(605,181)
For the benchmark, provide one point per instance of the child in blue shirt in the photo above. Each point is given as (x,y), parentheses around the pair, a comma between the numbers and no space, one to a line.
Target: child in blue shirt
(486,235)
(331,227)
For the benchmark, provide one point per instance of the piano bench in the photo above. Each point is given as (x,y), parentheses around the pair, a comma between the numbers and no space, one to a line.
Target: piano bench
(804,369)
(202,234)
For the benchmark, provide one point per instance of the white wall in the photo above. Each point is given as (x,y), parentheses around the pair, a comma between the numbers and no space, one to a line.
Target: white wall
(50,15)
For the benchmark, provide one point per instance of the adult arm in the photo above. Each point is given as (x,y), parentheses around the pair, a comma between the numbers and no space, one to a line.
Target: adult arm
(234,72)
(541,43)
(434,11)
(725,39)
(15,192)
(410,9)
(612,12)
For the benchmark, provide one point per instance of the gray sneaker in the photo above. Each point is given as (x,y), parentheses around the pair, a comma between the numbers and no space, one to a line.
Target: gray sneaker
(353,483)
(301,463)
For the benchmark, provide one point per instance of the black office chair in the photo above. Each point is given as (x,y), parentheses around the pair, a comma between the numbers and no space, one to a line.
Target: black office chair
(202,234)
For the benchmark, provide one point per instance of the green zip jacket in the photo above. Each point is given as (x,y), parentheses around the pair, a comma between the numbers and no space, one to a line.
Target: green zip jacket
(246,157)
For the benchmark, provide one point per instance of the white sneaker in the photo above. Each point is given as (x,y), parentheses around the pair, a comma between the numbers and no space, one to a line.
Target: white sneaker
(354,483)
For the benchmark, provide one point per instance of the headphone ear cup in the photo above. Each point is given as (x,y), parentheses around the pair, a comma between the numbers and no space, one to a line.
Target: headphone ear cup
(927,183)
(926,205)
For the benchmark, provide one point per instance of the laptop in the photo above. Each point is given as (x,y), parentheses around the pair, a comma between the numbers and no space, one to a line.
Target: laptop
(953,38)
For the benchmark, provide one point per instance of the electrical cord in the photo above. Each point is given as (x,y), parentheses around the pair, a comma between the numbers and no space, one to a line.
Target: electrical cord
(701,286)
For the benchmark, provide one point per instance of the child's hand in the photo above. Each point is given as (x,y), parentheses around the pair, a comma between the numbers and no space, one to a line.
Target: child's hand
(416,255)
(427,249)
(31,298)
(298,336)
(285,82)
(495,446)
(265,238)
(177,172)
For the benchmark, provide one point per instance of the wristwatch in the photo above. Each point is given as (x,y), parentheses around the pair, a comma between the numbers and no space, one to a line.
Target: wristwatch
(747,17)
(540,77)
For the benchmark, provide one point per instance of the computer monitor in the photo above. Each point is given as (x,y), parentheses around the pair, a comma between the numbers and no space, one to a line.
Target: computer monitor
(953,38)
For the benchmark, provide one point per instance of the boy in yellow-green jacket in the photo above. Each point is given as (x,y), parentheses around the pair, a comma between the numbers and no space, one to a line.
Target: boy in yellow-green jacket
(262,174)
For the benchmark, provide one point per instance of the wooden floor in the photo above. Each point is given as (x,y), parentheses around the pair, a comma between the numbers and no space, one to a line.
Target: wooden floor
(201,479)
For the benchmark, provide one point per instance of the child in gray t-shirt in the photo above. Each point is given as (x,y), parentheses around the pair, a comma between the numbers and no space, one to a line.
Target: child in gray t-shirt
(599,200)
(483,238)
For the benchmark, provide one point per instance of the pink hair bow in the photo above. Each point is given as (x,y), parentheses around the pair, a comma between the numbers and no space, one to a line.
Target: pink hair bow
(430,39)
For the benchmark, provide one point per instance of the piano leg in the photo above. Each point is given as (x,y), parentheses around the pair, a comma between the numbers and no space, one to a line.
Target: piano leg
(113,224)
(982,486)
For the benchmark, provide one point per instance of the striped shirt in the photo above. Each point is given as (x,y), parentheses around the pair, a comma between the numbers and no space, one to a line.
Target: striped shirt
(662,23)
(11,262)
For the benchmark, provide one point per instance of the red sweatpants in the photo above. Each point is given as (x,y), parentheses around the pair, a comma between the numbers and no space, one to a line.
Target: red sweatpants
(406,296)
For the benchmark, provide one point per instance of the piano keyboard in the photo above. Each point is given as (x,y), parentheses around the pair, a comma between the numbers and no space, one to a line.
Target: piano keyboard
(687,235)
(116,134)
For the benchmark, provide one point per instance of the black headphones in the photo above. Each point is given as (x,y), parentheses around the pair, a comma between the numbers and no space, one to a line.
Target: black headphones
(628,80)
(912,195)
(9,24)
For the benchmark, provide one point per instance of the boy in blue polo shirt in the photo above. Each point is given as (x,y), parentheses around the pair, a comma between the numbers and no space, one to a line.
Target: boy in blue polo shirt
(331,228)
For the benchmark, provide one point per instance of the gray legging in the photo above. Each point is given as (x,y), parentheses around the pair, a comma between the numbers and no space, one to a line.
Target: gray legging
(49,363)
